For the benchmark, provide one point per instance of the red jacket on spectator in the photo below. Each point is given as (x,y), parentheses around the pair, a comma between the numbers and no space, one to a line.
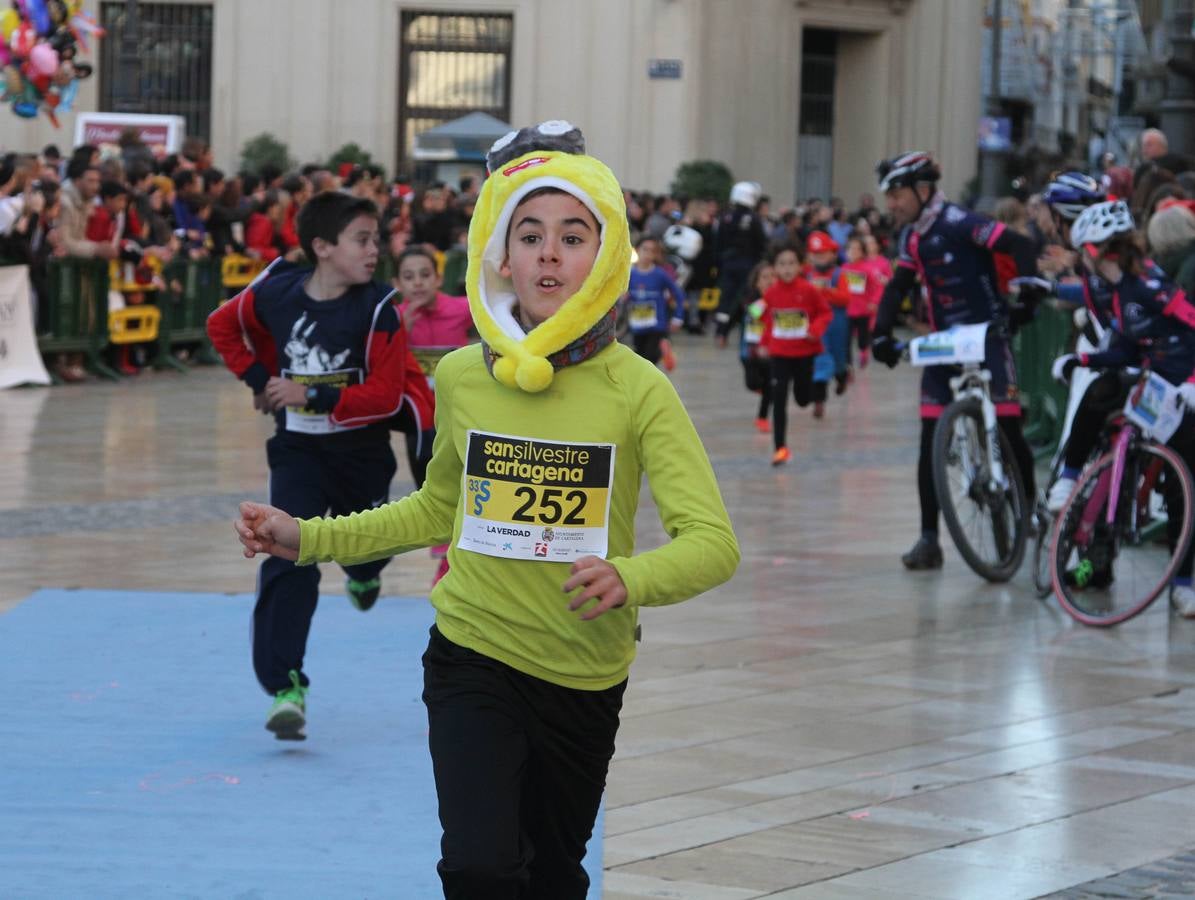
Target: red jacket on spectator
(259,236)
(102,226)
(290,234)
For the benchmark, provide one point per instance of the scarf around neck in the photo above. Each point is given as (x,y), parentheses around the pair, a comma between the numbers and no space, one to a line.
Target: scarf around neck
(596,338)
(931,211)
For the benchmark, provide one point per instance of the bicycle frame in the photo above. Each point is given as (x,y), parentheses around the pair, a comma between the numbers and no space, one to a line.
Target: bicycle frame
(975,381)
(1108,487)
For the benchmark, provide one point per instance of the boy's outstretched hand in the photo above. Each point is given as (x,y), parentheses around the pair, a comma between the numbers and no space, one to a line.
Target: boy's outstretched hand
(601,581)
(267,529)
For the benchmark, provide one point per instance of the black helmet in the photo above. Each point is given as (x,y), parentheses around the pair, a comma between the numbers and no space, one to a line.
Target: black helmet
(906,170)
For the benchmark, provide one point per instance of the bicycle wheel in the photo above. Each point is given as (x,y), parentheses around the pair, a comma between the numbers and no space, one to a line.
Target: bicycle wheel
(1043,568)
(987,521)
(1104,574)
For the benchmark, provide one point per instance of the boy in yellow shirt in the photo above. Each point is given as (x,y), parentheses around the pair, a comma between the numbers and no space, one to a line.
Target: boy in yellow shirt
(543,435)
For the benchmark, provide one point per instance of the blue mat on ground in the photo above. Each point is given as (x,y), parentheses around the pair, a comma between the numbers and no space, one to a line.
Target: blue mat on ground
(134,761)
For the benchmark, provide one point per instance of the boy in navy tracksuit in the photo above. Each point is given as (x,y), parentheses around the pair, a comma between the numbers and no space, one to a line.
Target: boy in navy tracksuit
(655,305)
(322,349)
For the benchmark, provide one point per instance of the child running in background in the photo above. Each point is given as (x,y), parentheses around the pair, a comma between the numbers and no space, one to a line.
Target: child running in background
(823,273)
(756,369)
(436,323)
(795,318)
(864,288)
(324,351)
(655,305)
(881,266)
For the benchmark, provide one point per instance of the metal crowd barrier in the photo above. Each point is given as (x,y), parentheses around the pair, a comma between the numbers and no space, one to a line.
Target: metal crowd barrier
(77,311)
(194,289)
(1035,348)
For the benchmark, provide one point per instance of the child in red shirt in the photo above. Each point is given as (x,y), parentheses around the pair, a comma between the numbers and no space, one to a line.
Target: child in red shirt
(881,266)
(823,273)
(794,319)
(864,289)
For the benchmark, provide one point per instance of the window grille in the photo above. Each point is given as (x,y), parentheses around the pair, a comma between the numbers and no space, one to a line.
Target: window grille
(166,69)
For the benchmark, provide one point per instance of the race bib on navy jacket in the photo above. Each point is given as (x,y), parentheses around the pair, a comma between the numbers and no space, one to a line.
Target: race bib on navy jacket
(351,350)
(953,258)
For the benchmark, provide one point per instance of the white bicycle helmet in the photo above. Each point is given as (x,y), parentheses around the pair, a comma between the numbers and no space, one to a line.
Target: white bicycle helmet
(1098,223)
(746,193)
(684,241)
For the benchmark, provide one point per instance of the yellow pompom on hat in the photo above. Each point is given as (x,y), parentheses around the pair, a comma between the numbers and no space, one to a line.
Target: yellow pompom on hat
(550,155)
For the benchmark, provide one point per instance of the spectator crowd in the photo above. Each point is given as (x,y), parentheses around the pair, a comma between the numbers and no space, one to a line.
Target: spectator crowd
(145,212)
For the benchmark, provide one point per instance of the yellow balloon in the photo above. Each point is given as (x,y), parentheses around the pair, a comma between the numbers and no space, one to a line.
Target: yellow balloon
(9,20)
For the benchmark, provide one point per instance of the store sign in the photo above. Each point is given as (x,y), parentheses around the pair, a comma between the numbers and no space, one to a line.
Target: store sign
(161,134)
(663,68)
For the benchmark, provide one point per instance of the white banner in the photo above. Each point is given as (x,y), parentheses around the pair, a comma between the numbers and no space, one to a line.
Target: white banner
(20,363)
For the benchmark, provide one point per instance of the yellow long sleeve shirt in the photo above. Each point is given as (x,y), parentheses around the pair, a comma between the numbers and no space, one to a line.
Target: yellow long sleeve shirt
(512,473)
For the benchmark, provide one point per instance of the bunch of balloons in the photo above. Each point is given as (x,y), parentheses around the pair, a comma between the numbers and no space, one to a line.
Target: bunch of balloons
(39,45)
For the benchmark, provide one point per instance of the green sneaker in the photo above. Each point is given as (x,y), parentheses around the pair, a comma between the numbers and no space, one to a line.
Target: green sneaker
(363,594)
(288,715)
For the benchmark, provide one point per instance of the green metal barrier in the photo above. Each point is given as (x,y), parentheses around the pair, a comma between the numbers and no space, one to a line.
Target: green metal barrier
(386,270)
(455,264)
(77,312)
(194,289)
(1035,348)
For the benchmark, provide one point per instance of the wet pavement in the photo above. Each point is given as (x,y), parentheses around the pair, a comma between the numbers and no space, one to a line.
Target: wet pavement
(825,725)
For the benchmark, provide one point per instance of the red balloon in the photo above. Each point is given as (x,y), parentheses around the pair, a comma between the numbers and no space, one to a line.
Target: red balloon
(22,40)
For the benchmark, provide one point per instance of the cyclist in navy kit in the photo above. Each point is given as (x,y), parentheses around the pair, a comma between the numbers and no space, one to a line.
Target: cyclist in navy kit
(1152,323)
(949,250)
(1067,196)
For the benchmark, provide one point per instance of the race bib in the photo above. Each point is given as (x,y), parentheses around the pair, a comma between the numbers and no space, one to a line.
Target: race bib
(961,344)
(428,358)
(753,332)
(643,316)
(790,324)
(536,500)
(856,282)
(1156,407)
(307,421)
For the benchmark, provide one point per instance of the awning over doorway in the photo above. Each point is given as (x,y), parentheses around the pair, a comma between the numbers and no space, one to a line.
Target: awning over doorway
(465,139)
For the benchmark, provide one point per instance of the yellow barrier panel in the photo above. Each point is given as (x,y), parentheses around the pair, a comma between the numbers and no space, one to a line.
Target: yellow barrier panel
(237,271)
(122,276)
(134,324)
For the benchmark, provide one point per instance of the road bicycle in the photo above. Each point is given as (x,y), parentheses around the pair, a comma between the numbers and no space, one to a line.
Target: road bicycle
(979,487)
(1122,535)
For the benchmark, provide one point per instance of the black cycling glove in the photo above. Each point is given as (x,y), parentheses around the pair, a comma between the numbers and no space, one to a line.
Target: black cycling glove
(885,350)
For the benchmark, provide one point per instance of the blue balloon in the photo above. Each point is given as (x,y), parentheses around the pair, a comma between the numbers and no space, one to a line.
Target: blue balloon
(25,109)
(39,15)
(67,96)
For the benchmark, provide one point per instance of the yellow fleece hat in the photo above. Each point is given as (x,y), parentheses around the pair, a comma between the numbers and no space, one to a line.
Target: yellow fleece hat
(522,361)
